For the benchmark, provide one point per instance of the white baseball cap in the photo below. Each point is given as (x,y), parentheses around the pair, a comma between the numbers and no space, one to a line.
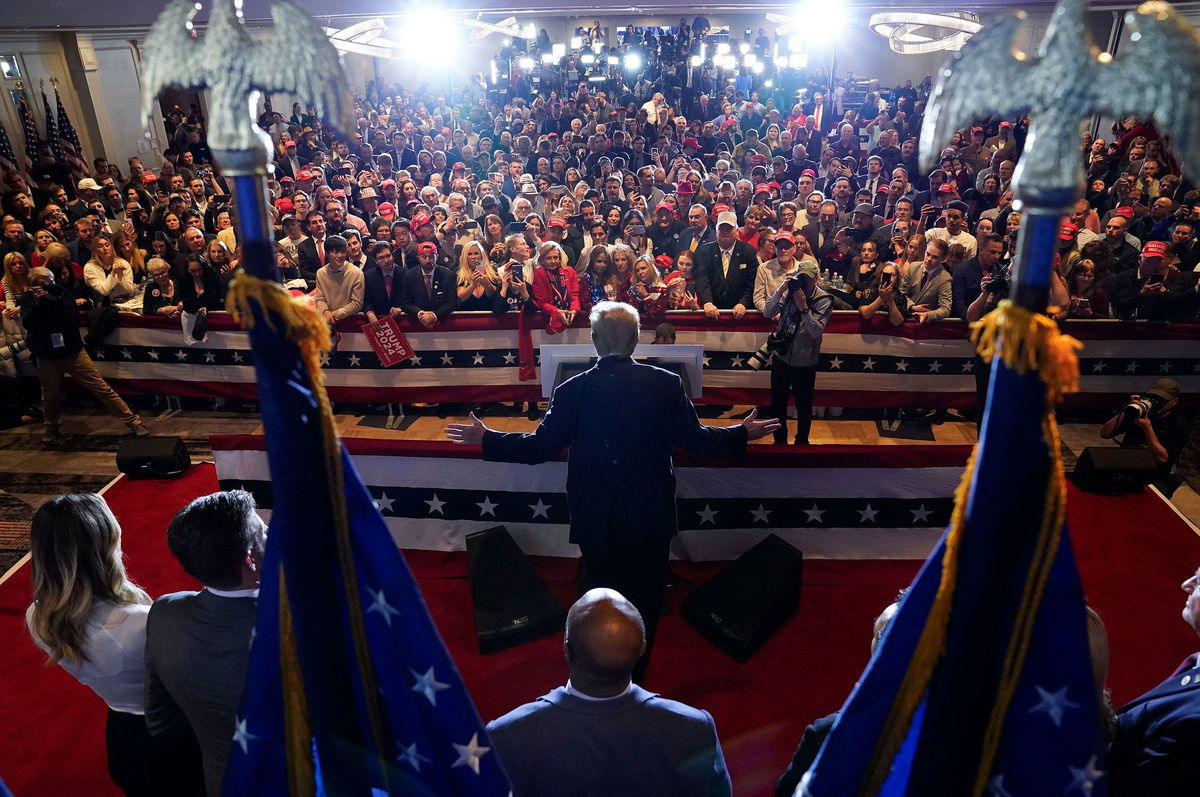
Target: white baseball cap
(727,217)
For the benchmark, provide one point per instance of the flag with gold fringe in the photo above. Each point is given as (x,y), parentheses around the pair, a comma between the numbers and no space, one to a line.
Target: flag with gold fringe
(983,683)
(350,688)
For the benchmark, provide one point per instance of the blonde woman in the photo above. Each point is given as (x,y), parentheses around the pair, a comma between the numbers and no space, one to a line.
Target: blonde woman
(41,239)
(15,282)
(108,275)
(620,274)
(478,282)
(125,245)
(90,619)
(160,295)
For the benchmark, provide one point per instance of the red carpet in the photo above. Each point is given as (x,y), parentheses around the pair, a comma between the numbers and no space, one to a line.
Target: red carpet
(1133,552)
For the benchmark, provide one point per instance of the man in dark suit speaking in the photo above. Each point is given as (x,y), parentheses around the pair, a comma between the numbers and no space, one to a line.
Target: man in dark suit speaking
(621,420)
(608,736)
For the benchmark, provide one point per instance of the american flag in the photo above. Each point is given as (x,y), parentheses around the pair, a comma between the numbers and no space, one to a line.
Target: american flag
(51,131)
(69,141)
(32,139)
(8,158)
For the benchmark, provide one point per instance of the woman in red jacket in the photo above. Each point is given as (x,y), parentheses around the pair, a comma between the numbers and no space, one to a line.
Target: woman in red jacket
(555,287)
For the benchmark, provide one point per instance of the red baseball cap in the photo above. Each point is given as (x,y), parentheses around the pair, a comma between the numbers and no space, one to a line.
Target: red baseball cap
(1124,212)
(420,219)
(339,193)
(557,221)
(388,182)
(304,175)
(664,262)
(784,235)
(691,142)
(1006,124)
(387,210)
(426,247)
(459,165)
(148,177)
(808,173)
(290,145)
(684,187)
(284,205)
(947,188)
(667,206)
(1067,231)
(1154,249)
(719,208)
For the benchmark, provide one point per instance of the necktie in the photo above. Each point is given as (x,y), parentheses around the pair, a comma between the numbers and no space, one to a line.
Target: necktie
(387,284)
(725,262)
(429,284)
(321,251)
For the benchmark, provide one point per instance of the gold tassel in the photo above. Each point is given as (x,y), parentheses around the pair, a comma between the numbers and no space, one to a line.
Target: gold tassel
(302,325)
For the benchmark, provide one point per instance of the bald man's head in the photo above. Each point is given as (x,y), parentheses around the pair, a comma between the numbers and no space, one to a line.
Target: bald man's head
(605,637)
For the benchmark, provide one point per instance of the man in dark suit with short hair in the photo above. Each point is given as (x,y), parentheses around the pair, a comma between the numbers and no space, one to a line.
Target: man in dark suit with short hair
(427,292)
(725,271)
(198,643)
(382,285)
(620,485)
(609,735)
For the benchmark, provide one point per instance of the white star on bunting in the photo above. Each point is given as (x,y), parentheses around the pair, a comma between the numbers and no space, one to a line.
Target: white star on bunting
(241,736)
(1098,367)
(736,362)
(835,364)
(379,604)
(920,514)
(706,359)
(428,685)
(355,360)
(540,508)
(1053,703)
(902,366)
(410,756)
(968,367)
(477,359)
(447,359)
(209,357)
(470,753)
(384,503)
(435,505)
(509,358)
(707,515)
(237,357)
(181,355)
(153,355)
(127,354)
(1131,368)
(868,364)
(814,514)
(935,367)
(415,360)
(487,507)
(867,515)
(760,514)
(99,354)
(1165,368)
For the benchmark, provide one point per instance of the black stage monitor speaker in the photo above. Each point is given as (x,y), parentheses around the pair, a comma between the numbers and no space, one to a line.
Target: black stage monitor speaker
(1112,469)
(739,608)
(512,603)
(153,457)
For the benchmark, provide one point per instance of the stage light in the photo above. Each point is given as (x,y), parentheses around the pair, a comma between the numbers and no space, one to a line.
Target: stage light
(729,61)
(696,61)
(909,32)
(525,63)
(744,48)
(781,62)
(547,58)
(757,68)
(587,59)
(530,31)
(576,42)
(597,47)
(494,70)
(749,59)
(827,18)
(559,50)
(769,83)
(596,79)
(426,32)
(798,60)
(633,62)
(507,42)
(723,48)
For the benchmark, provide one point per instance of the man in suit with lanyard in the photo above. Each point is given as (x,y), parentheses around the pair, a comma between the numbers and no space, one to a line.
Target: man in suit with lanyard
(621,420)
(725,271)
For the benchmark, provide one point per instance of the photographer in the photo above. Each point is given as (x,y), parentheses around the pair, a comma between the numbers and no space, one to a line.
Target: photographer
(795,345)
(1148,420)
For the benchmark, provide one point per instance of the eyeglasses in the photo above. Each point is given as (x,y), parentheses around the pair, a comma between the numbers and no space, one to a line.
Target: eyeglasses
(784,244)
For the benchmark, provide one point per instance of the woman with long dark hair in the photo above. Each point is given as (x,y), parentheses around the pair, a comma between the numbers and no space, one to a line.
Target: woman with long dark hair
(90,619)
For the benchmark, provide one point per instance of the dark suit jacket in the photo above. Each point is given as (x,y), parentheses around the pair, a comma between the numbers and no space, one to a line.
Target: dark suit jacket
(725,291)
(621,421)
(309,263)
(197,652)
(375,295)
(414,298)
(637,744)
(1158,734)
(810,744)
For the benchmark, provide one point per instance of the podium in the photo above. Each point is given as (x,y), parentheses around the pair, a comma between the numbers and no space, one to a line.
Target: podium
(563,361)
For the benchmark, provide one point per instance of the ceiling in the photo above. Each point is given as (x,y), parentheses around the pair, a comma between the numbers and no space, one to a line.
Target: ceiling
(67,15)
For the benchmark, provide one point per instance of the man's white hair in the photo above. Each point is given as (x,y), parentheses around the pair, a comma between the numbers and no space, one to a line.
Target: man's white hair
(615,328)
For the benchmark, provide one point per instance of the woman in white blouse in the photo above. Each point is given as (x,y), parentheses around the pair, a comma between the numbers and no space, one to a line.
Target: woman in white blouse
(107,274)
(91,620)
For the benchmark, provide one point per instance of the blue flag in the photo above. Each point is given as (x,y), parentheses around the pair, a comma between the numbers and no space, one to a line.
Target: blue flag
(982,684)
(350,688)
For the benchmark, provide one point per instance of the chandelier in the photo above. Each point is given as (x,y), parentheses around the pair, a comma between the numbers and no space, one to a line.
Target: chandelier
(912,32)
